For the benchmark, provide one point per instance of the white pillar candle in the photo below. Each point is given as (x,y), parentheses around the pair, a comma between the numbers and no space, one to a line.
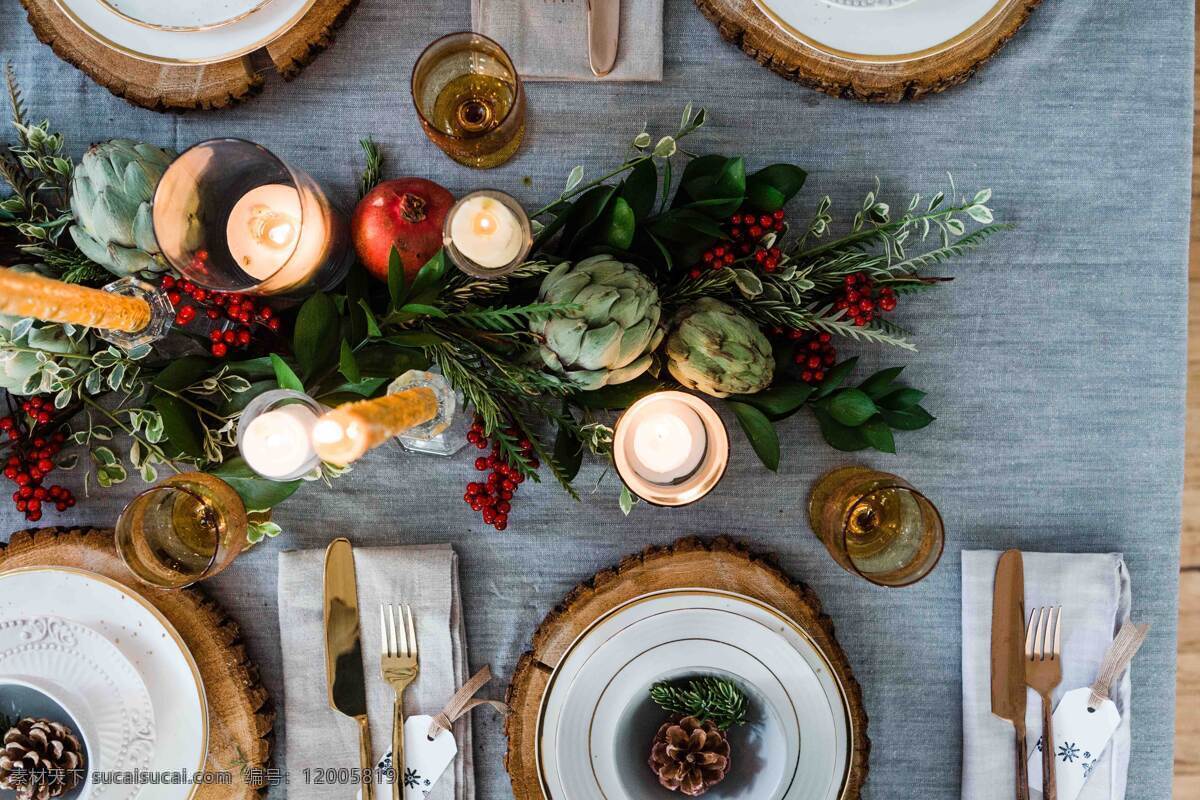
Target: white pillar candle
(667,441)
(487,232)
(266,232)
(276,444)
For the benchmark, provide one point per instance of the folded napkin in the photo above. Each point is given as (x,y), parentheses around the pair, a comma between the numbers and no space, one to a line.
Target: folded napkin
(426,578)
(547,41)
(1093,590)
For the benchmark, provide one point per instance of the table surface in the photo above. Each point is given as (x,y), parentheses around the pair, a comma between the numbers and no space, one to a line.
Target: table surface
(1055,362)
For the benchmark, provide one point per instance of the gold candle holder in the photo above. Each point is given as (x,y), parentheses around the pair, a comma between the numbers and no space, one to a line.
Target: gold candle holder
(418,405)
(126,312)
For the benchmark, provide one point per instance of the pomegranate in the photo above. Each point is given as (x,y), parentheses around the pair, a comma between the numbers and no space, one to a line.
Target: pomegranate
(406,213)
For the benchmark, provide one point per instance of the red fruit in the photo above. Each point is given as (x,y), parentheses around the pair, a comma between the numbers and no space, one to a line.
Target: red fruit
(220,349)
(407,213)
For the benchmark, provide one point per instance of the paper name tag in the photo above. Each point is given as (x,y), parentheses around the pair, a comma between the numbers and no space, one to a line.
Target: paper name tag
(1080,737)
(425,760)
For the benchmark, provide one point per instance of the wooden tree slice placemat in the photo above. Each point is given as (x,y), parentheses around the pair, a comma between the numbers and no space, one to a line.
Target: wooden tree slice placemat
(742,23)
(694,563)
(187,87)
(241,717)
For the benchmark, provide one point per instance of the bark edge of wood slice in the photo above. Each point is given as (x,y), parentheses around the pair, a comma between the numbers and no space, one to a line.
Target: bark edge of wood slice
(692,562)
(187,87)
(241,715)
(741,23)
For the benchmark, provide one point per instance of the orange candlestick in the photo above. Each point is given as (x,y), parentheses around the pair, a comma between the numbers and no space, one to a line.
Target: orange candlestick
(24,294)
(348,432)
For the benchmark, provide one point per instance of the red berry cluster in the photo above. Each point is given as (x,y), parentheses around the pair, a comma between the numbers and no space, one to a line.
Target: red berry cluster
(745,232)
(493,497)
(32,459)
(863,300)
(241,312)
(814,354)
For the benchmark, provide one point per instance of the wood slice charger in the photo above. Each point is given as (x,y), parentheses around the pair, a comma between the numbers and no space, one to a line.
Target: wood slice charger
(241,717)
(742,23)
(187,87)
(693,563)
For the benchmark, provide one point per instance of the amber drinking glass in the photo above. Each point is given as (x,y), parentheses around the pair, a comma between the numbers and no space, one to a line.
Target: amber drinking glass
(469,99)
(876,525)
(187,528)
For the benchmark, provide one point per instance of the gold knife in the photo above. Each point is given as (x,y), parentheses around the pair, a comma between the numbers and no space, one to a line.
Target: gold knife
(1008,654)
(343,652)
(604,34)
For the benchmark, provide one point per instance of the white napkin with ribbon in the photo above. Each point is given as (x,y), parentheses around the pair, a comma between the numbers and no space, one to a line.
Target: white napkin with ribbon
(1093,590)
(426,578)
(547,41)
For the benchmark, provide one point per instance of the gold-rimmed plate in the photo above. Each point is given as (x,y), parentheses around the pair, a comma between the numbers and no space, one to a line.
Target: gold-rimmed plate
(184,15)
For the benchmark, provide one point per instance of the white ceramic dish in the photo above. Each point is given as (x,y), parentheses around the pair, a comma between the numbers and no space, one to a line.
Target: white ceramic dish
(827,704)
(94,682)
(881,30)
(184,15)
(185,47)
(146,640)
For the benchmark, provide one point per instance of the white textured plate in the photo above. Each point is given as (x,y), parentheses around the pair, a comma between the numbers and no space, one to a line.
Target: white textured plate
(111,702)
(145,638)
(185,47)
(184,15)
(812,687)
(881,30)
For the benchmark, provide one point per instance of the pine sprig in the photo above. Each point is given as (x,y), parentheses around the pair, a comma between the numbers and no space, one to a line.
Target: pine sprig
(508,319)
(778,313)
(372,173)
(708,698)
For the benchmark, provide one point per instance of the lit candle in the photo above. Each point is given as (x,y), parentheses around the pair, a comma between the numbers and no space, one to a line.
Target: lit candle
(349,431)
(26,294)
(486,232)
(668,444)
(270,239)
(277,444)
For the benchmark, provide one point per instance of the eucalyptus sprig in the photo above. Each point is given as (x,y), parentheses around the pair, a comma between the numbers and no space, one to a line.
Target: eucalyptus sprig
(718,700)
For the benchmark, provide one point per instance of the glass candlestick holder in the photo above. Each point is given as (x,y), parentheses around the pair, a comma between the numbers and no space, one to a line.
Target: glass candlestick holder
(274,434)
(230,215)
(487,234)
(161,314)
(444,435)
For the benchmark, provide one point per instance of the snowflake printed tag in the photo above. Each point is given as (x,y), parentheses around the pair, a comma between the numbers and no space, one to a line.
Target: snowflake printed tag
(424,760)
(1080,736)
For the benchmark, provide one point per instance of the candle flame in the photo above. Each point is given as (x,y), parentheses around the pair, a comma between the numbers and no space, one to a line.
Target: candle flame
(272,228)
(485,224)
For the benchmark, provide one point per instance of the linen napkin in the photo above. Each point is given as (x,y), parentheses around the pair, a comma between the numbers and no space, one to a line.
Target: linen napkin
(1093,590)
(425,577)
(547,41)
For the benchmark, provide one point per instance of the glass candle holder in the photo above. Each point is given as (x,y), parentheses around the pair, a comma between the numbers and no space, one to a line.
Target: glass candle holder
(670,448)
(469,99)
(487,234)
(187,528)
(876,525)
(274,434)
(229,215)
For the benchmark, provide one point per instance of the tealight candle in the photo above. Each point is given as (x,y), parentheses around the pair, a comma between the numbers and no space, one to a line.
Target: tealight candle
(275,434)
(670,448)
(487,233)
(263,234)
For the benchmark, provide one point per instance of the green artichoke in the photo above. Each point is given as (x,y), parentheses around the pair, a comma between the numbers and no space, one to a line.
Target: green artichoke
(609,339)
(110,198)
(718,351)
(22,372)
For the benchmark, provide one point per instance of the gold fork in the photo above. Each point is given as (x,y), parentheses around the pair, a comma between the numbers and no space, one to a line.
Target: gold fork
(399,667)
(1043,673)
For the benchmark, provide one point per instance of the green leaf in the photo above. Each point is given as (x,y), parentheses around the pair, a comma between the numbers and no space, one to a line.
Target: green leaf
(878,435)
(761,433)
(379,360)
(590,206)
(836,377)
(621,395)
(619,225)
(766,198)
(347,365)
(414,339)
(568,452)
(182,373)
(181,428)
(640,189)
(878,384)
(903,399)
(422,310)
(851,407)
(430,275)
(911,419)
(258,493)
(369,316)
(395,278)
(683,225)
(704,166)
(838,436)
(315,342)
(253,369)
(780,400)
(284,375)
(772,187)
(628,500)
(238,402)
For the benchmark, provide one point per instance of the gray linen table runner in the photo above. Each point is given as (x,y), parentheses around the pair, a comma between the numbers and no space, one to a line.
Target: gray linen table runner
(426,578)
(1093,590)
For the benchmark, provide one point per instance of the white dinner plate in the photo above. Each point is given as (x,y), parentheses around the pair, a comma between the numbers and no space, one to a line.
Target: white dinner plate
(185,47)
(881,30)
(184,15)
(105,693)
(145,638)
(825,706)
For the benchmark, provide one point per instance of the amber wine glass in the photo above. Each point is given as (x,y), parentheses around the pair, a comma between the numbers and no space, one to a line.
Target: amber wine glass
(187,528)
(876,525)
(469,99)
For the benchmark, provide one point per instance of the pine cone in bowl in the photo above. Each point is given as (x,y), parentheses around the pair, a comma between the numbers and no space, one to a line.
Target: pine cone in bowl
(40,760)
(689,756)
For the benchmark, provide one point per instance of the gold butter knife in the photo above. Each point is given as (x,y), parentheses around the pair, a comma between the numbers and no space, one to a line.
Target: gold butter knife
(604,34)
(1008,655)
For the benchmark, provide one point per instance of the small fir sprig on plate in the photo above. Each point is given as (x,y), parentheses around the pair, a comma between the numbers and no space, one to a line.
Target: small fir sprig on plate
(708,698)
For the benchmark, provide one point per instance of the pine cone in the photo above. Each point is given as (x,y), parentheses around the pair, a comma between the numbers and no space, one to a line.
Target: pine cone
(41,760)
(689,756)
